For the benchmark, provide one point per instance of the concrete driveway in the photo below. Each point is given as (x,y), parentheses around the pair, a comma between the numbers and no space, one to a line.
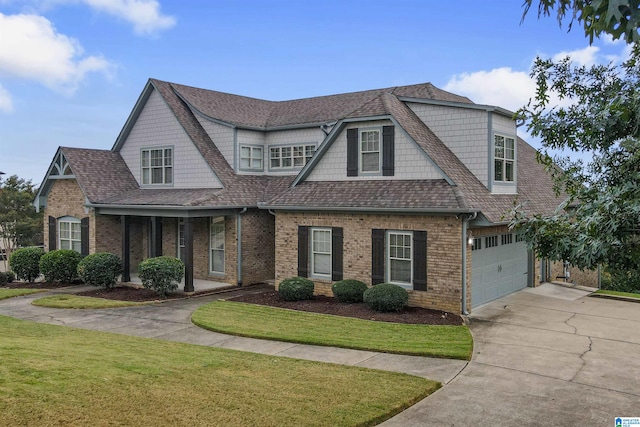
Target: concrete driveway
(543,356)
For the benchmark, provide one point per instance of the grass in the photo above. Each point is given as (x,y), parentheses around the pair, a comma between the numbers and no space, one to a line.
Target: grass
(52,375)
(77,301)
(251,320)
(618,293)
(10,293)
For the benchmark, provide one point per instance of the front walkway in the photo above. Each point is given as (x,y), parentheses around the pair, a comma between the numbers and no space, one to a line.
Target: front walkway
(199,285)
(171,320)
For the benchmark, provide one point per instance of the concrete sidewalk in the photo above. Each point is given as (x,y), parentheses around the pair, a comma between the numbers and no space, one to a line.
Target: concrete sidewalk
(171,320)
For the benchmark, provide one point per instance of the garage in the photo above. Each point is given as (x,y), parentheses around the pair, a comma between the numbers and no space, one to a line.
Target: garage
(499,266)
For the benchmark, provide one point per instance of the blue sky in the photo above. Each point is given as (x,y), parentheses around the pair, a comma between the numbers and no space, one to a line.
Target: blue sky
(72,70)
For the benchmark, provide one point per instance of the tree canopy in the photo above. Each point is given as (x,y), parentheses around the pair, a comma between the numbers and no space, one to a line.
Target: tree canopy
(598,114)
(618,18)
(20,225)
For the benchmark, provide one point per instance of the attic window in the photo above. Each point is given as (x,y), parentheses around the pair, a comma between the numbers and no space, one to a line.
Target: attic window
(504,158)
(157,166)
(250,157)
(292,156)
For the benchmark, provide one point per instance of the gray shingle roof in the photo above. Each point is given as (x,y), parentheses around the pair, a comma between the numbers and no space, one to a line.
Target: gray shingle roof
(105,179)
(257,113)
(100,173)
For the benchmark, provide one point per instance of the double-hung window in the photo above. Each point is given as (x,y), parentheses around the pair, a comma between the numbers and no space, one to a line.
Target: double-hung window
(504,158)
(321,252)
(69,234)
(217,245)
(250,157)
(370,151)
(157,166)
(400,257)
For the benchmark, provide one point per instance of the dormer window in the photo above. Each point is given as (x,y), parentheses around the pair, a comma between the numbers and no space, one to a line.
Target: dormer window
(370,151)
(250,157)
(504,158)
(157,166)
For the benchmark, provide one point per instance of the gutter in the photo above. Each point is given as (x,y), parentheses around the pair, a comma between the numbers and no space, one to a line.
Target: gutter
(239,245)
(364,209)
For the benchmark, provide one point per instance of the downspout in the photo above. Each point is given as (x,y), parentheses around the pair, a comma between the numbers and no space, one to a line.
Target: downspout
(239,245)
(465,222)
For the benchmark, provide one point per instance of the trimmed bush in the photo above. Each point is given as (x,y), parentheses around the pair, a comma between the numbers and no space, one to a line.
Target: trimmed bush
(349,290)
(60,265)
(386,297)
(100,269)
(25,262)
(161,274)
(3,278)
(11,276)
(296,289)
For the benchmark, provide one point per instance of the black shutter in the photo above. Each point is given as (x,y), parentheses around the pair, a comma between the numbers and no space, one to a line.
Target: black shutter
(336,253)
(388,150)
(352,152)
(420,260)
(377,256)
(303,251)
(53,233)
(84,236)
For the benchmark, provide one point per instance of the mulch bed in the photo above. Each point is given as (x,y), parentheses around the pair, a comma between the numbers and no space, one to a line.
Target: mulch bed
(329,305)
(319,304)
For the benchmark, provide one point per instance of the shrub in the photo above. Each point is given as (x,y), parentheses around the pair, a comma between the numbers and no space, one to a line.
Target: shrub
(3,278)
(60,265)
(100,269)
(161,274)
(296,289)
(386,297)
(349,290)
(25,262)
(621,280)
(11,276)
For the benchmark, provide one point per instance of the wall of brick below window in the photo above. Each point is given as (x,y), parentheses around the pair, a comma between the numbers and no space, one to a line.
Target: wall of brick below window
(444,251)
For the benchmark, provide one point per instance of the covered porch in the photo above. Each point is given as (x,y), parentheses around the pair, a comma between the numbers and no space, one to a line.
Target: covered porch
(199,285)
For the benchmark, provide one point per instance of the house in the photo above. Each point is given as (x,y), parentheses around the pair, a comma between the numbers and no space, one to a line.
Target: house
(406,185)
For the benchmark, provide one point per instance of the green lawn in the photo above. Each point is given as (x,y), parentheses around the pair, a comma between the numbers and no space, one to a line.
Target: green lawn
(53,375)
(258,321)
(76,301)
(10,293)
(617,293)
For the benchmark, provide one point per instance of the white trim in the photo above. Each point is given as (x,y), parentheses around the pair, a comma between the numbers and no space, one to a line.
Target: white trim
(361,152)
(164,167)
(504,160)
(279,148)
(72,221)
(252,157)
(388,258)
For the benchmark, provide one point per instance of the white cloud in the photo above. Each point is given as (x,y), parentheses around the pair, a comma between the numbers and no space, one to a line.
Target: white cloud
(587,56)
(6,105)
(503,87)
(145,15)
(33,50)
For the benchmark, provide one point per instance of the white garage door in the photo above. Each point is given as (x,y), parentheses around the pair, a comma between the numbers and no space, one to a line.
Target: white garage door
(498,267)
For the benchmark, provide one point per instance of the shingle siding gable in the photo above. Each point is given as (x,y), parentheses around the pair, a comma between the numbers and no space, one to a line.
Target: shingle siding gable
(410,161)
(157,126)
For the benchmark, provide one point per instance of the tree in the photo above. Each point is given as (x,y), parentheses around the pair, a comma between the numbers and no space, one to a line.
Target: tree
(20,225)
(599,113)
(618,18)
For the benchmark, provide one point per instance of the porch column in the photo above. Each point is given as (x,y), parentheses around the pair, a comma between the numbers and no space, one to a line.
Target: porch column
(188,255)
(126,247)
(156,236)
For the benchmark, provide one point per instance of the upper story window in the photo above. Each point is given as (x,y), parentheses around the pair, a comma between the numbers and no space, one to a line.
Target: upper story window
(157,166)
(289,157)
(504,158)
(370,151)
(250,157)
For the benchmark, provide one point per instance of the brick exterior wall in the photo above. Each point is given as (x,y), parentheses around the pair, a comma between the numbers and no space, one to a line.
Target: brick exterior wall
(67,199)
(258,246)
(444,252)
(576,276)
